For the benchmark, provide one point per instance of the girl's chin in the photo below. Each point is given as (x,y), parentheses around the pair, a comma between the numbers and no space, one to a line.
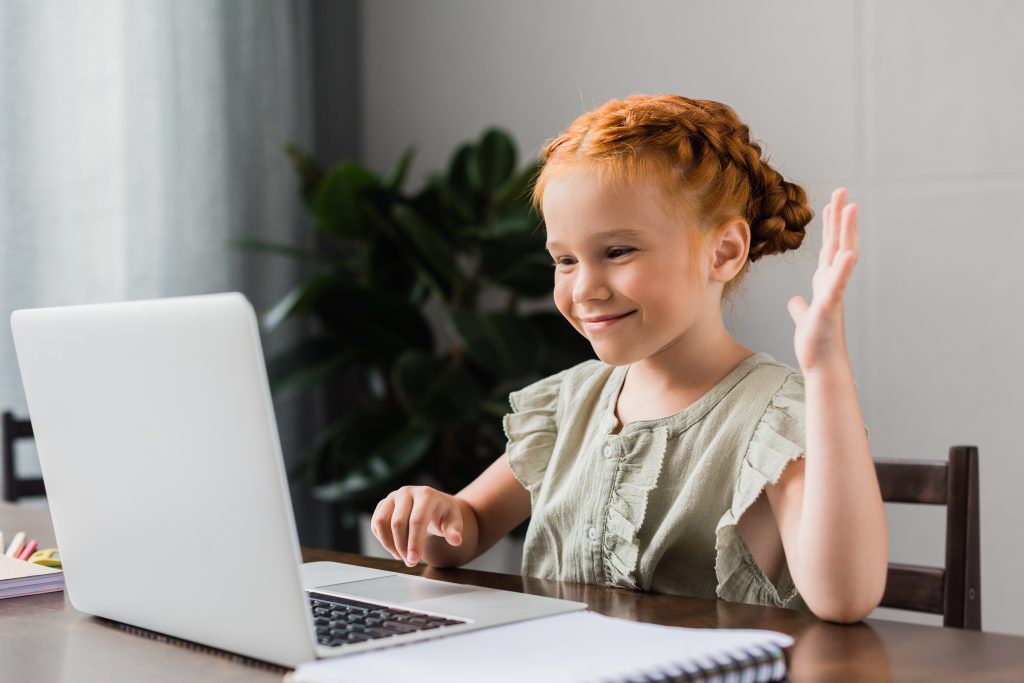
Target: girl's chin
(610,356)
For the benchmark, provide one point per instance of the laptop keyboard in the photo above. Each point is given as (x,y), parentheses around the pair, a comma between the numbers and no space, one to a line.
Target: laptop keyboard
(341,621)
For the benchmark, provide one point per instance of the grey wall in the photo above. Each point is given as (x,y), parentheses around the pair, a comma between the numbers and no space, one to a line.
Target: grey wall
(913,105)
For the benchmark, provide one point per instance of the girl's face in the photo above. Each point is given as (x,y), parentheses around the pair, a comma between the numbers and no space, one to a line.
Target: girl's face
(623,273)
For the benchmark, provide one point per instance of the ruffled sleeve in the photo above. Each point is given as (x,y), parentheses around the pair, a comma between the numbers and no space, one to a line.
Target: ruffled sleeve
(778,439)
(531,430)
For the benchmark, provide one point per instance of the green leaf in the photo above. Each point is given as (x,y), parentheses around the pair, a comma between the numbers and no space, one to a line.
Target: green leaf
(460,191)
(436,390)
(388,269)
(500,343)
(493,162)
(432,251)
(310,172)
(517,191)
(397,176)
(563,347)
(381,464)
(459,169)
(396,236)
(305,365)
(340,199)
(519,262)
(517,222)
(374,325)
(297,301)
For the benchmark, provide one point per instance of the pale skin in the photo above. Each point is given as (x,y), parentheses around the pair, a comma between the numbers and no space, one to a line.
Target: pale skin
(824,516)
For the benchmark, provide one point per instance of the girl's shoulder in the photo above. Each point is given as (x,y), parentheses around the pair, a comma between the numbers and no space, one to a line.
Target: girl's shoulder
(768,377)
(572,380)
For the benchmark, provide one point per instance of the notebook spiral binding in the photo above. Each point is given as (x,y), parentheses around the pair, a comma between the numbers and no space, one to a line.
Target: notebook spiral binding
(754,665)
(195,647)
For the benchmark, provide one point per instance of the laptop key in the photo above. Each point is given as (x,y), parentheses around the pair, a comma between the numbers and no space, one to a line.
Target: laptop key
(378,632)
(360,621)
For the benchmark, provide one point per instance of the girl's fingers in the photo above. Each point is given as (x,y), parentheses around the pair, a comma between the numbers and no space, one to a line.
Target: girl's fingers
(826,223)
(400,520)
(381,525)
(450,524)
(797,307)
(839,276)
(423,510)
(848,233)
(834,215)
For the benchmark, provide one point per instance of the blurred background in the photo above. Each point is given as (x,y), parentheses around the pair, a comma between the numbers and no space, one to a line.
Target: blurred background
(143,154)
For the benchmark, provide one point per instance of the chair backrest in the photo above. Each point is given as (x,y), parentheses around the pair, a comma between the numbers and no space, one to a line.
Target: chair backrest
(15,429)
(953,591)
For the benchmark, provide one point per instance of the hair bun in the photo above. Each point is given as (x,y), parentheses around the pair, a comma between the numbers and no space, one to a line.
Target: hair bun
(779,213)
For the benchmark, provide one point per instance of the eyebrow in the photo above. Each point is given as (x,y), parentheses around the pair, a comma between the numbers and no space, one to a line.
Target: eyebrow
(617,232)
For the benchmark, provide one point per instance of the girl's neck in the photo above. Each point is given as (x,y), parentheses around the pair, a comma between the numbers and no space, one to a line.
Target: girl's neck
(689,366)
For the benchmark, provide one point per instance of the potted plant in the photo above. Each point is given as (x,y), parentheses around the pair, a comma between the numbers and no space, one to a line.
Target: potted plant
(427,390)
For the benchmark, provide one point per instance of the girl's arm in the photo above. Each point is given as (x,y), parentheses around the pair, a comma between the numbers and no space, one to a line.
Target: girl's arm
(828,506)
(418,522)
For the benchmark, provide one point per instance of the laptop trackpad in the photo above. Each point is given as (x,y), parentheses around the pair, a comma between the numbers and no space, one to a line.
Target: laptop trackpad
(398,590)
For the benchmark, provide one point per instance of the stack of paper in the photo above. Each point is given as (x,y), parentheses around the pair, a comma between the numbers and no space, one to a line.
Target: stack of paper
(27,578)
(583,647)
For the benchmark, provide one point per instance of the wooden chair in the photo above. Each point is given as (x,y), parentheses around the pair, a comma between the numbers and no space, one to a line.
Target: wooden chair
(955,590)
(14,430)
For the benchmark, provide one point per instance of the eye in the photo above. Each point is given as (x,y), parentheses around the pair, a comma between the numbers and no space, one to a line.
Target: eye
(616,252)
(564,261)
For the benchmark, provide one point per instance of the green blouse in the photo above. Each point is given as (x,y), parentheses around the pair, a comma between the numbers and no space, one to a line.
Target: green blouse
(654,507)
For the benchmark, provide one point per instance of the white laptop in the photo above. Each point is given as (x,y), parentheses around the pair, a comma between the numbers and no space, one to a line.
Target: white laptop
(167,489)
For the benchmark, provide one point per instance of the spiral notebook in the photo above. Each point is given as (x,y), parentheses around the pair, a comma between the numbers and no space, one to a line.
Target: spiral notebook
(579,647)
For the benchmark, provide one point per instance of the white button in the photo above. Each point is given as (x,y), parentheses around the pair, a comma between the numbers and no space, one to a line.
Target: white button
(608,451)
(592,532)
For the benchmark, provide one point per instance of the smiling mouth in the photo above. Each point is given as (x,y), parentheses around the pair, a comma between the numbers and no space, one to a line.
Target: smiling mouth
(597,325)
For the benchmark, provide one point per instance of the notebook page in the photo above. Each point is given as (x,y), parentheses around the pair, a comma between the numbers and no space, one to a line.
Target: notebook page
(579,646)
(11,568)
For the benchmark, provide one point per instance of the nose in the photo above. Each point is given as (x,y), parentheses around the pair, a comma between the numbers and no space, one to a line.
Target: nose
(589,284)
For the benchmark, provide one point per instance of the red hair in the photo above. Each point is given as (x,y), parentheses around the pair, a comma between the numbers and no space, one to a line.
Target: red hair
(700,152)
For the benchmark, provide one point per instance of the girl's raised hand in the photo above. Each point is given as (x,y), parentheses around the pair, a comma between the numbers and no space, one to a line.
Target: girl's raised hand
(819,339)
(403,519)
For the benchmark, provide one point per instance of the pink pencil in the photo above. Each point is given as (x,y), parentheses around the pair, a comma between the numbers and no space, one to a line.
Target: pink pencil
(27,552)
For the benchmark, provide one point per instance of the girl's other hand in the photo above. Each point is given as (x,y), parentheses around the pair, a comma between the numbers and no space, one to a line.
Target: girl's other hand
(820,340)
(402,521)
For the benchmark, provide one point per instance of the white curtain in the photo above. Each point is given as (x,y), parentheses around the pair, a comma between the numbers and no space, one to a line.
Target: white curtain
(136,138)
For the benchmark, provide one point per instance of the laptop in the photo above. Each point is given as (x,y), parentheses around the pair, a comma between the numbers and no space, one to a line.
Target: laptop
(167,489)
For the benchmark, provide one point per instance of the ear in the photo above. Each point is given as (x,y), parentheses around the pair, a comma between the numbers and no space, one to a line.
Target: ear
(730,246)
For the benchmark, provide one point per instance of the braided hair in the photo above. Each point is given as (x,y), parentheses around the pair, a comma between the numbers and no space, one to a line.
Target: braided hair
(703,154)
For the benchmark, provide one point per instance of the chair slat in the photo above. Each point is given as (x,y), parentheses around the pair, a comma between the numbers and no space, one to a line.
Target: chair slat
(915,588)
(15,487)
(912,481)
(963,550)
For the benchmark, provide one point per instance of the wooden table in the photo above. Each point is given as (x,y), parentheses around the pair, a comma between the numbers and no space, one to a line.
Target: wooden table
(45,639)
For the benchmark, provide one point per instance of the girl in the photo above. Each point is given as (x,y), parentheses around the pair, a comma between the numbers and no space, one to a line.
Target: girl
(645,469)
